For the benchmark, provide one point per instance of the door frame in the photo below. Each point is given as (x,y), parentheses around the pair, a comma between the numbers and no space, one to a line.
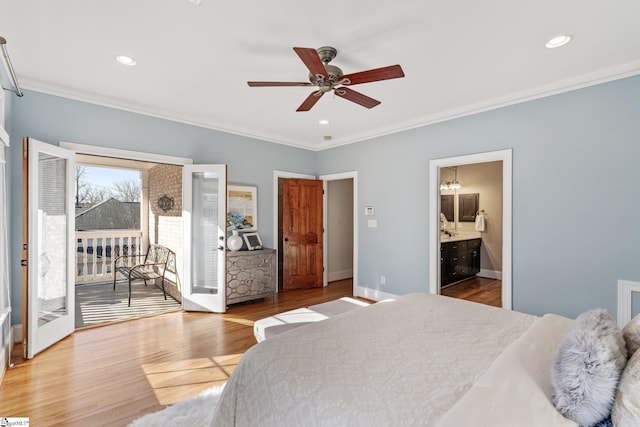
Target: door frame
(353,175)
(506,156)
(96,150)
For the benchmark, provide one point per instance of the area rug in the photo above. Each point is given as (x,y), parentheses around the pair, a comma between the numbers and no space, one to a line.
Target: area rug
(196,411)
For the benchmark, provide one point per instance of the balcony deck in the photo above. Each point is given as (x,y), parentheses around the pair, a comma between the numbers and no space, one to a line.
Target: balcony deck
(98,303)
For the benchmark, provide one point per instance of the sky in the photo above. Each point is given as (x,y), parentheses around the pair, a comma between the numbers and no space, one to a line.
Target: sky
(105,177)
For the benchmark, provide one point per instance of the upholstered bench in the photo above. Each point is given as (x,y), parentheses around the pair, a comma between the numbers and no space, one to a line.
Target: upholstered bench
(270,326)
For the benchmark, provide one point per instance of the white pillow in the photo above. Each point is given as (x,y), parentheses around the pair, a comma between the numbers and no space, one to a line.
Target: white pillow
(516,389)
(631,333)
(626,408)
(587,367)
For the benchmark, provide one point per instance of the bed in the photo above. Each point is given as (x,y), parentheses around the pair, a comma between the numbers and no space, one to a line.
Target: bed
(420,359)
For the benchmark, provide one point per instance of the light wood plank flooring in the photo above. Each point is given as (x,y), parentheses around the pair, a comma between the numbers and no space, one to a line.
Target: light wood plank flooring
(477,289)
(114,374)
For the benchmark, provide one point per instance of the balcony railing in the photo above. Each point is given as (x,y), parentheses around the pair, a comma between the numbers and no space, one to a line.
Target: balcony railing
(97,249)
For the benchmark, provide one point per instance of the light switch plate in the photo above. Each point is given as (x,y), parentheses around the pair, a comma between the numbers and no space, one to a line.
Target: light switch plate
(372,223)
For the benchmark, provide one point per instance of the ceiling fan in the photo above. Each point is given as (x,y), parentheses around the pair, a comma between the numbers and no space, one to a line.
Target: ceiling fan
(331,78)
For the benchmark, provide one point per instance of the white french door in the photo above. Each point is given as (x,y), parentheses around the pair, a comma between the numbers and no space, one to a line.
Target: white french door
(204,212)
(48,243)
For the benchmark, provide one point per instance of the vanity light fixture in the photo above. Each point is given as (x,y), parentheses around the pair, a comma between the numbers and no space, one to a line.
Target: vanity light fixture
(558,41)
(451,185)
(126,60)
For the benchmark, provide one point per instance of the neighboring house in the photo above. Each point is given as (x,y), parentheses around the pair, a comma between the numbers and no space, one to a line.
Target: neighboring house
(110,214)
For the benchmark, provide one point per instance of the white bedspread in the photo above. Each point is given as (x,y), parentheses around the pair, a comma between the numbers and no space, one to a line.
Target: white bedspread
(394,363)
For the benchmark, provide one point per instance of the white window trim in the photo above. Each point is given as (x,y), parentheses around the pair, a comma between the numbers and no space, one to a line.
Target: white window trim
(125,154)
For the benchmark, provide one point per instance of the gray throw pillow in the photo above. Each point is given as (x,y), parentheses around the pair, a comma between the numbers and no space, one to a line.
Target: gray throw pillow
(631,333)
(626,408)
(587,368)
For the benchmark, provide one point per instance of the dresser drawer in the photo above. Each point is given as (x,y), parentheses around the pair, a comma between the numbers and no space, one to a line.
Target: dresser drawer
(473,244)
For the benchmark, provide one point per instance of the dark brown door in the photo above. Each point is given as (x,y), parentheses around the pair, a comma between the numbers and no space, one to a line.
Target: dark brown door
(302,233)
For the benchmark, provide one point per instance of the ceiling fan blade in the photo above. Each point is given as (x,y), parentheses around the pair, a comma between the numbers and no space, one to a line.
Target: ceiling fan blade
(312,60)
(269,84)
(310,101)
(384,73)
(357,97)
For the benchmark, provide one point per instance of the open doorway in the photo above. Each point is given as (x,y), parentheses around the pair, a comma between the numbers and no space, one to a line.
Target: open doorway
(496,216)
(471,232)
(115,222)
(339,231)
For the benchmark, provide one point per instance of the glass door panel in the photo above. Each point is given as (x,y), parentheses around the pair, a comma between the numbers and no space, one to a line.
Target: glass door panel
(50,278)
(204,204)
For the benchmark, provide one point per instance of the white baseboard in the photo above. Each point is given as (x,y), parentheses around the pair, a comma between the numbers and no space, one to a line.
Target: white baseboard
(373,294)
(7,343)
(5,357)
(340,275)
(490,274)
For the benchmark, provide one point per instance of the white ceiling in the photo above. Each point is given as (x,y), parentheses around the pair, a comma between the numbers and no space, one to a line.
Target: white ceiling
(193,61)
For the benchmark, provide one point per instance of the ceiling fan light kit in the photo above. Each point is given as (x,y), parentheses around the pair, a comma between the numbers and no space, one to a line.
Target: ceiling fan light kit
(329,78)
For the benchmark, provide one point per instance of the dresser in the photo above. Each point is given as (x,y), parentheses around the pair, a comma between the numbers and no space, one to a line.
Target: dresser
(251,275)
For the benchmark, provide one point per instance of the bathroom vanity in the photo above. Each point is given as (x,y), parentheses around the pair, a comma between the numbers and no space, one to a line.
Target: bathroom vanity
(459,258)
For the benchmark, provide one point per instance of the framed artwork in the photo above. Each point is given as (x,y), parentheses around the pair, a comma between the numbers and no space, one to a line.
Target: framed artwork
(242,206)
(252,240)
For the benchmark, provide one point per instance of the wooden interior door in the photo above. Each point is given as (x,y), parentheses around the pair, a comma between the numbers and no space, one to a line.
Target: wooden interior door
(302,234)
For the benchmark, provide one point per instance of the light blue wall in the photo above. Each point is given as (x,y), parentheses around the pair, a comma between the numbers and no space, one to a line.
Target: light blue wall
(576,230)
(53,119)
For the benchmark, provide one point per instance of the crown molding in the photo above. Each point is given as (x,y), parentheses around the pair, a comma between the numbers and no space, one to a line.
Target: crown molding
(578,82)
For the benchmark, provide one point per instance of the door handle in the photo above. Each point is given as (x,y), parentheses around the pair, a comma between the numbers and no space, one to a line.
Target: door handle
(286,239)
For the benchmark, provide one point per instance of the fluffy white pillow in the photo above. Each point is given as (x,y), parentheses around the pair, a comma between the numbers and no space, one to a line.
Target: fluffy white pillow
(587,367)
(626,408)
(631,333)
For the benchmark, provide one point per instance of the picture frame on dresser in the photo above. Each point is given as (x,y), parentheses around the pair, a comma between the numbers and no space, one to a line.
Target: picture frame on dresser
(252,240)
(243,201)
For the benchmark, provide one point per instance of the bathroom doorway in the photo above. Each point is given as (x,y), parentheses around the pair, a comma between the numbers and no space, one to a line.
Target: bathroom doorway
(483,183)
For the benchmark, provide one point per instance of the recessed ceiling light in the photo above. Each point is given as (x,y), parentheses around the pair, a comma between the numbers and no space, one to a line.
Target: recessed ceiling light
(324,122)
(125,60)
(558,41)
(327,137)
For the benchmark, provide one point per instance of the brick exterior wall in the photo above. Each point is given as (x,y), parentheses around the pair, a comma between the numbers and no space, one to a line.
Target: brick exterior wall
(165,226)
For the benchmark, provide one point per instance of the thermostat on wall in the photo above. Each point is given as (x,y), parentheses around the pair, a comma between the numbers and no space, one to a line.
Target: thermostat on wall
(369,210)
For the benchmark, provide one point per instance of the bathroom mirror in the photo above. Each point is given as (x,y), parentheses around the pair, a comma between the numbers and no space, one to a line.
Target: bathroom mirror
(447,206)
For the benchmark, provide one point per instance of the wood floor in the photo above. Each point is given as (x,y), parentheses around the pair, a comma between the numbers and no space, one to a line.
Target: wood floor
(477,289)
(114,374)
